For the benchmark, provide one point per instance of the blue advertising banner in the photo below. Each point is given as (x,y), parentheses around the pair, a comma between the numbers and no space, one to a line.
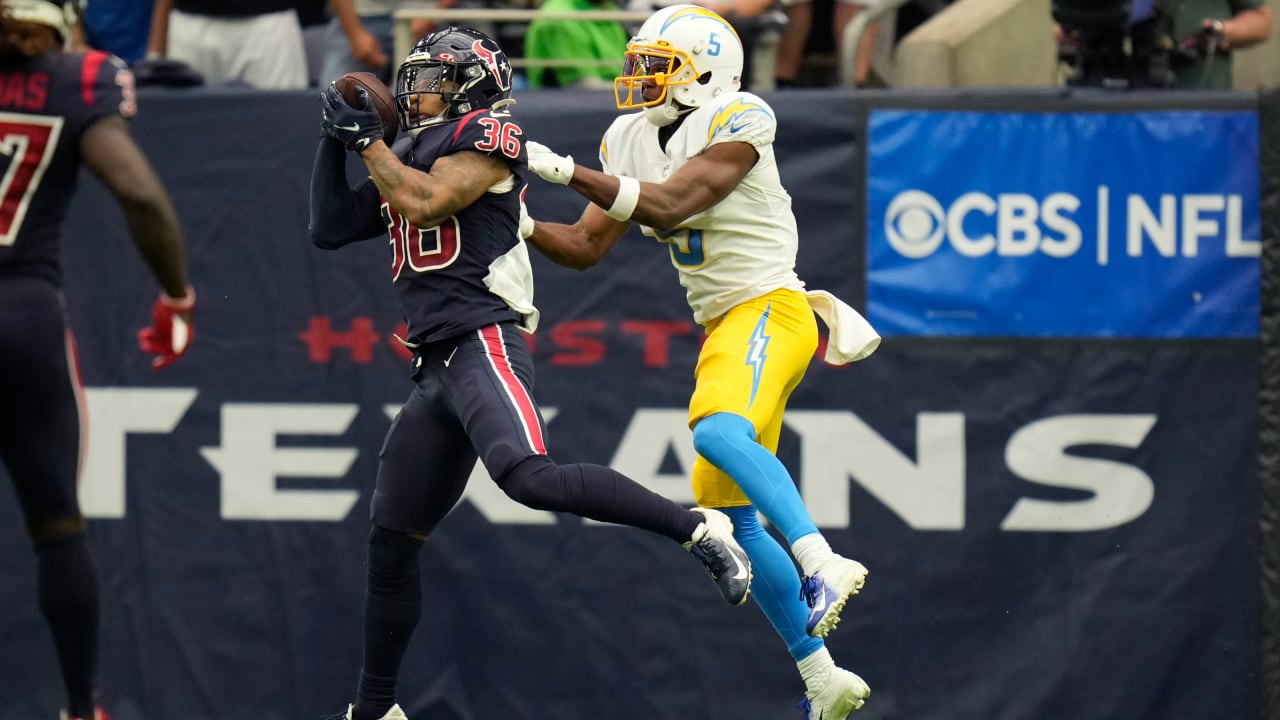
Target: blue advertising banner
(1024,224)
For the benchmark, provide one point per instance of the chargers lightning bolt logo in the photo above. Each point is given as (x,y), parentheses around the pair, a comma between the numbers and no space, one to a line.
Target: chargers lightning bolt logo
(733,115)
(758,353)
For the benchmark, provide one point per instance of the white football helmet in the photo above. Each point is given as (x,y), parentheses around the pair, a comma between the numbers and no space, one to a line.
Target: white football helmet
(60,16)
(682,57)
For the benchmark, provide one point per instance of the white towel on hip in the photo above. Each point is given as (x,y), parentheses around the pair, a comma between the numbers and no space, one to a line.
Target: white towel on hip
(849,336)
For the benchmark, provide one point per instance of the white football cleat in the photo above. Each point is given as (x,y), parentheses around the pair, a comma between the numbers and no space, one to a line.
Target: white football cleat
(827,590)
(395,713)
(843,694)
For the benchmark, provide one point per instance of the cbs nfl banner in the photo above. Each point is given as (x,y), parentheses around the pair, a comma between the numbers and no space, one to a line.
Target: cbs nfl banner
(1027,224)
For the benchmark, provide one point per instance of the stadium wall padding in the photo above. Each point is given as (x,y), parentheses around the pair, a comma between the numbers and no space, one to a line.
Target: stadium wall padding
(1055,527)
(1269,409)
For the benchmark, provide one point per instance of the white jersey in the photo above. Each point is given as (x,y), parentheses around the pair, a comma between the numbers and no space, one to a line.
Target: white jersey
(745,245)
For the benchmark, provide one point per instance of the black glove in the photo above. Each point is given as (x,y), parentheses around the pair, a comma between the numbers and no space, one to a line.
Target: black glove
(355,127)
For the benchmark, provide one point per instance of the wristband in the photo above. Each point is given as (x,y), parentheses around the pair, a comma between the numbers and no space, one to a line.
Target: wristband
(625,202)
(182,304)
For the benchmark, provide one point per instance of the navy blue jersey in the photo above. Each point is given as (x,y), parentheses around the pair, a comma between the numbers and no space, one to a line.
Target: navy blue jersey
(46,104)
(445,274)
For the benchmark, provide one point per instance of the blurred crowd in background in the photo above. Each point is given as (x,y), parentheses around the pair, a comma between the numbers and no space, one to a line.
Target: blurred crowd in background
(314,41)
(294,44)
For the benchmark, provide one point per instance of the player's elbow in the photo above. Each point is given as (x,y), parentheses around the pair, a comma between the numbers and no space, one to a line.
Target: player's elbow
(140,196)
(572,255)
(572,258)
(668,212)
(149,210)
(324,239)
(580,262)
(664,220)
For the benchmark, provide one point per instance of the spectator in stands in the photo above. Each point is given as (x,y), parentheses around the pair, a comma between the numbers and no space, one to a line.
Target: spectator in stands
(1210,31)
(311,12)
(123,28)
(793,44)
(1185,44)
(361,36)
(120,27)
(89,96)
(590,41)
(254,42)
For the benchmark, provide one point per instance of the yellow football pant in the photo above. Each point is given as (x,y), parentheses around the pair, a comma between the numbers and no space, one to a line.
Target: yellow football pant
(754,357)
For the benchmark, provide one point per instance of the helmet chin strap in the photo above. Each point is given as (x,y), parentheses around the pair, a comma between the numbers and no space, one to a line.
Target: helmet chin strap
(433,120)
(666,113)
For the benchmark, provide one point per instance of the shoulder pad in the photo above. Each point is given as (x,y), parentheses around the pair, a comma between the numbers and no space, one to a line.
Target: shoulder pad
(106,84)
(613,134)
(491,133)
(739,116)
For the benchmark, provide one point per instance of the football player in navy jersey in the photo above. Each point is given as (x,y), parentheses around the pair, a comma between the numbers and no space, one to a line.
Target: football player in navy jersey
(448,196)
(60,111)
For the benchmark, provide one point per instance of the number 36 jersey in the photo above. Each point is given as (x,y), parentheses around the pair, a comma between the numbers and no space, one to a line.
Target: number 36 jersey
(745,245)
(472,270)
(46,104)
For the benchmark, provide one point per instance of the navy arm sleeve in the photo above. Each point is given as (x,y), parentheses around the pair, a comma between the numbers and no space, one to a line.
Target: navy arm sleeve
(340,215)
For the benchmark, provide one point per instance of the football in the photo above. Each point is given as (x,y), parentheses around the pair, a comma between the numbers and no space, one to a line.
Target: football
(379,96)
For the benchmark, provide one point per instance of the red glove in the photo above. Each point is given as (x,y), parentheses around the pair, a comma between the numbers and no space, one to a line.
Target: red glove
(171,331)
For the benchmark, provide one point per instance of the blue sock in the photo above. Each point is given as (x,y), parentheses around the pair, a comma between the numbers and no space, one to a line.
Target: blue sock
(729,442)
(775,584)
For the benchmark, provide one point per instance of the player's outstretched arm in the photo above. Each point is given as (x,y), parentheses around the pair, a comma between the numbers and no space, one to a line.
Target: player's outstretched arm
(581,245)
(427,199)
(701,183)
(697,186)
(340,215)
(109,151)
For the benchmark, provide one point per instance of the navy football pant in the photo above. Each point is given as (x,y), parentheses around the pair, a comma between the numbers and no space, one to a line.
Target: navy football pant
(40,449)
(473,399)
(40,412)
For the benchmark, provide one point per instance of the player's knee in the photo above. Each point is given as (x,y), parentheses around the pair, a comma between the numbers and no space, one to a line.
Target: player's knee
(393,558)
(50,530)
(716,434)
(530,482)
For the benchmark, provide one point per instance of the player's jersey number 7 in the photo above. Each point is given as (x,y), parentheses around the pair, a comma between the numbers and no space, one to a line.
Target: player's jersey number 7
(27,144)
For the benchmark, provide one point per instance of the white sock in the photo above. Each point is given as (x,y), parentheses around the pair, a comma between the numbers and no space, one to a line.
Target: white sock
(816,669)
(811,551)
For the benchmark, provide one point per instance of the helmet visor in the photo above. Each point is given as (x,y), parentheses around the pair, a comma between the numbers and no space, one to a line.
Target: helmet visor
(418,79)
(648,71)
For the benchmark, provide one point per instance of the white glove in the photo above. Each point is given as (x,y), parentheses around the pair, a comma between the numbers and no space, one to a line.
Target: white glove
(526,222)
(548,165)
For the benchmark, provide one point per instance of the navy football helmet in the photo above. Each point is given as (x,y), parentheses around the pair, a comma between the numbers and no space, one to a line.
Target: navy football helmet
(463,66)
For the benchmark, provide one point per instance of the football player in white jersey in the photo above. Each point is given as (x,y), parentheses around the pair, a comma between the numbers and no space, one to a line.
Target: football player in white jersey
(695,169)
